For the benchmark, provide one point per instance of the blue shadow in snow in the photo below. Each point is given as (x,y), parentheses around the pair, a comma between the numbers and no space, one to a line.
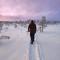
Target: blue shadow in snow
(31,52)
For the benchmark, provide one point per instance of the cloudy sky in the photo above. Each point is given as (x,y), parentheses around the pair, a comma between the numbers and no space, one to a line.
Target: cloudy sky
(35,8)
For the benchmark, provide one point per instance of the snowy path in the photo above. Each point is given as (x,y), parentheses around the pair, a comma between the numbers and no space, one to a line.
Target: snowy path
(34,52)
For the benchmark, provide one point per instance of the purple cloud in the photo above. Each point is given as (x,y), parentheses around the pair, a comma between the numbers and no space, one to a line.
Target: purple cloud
(29,7)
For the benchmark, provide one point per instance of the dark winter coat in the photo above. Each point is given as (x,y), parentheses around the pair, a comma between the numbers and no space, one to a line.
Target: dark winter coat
(32,27)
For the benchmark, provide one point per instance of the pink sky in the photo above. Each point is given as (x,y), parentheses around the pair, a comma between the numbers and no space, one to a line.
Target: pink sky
(48,8)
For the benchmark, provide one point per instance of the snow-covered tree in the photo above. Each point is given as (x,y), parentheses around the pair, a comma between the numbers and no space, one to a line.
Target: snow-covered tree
(1,25)
(43,23)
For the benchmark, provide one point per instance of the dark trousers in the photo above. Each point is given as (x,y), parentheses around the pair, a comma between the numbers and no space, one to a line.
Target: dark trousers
(32,34)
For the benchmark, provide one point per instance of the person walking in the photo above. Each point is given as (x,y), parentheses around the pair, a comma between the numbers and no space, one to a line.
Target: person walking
(32,30)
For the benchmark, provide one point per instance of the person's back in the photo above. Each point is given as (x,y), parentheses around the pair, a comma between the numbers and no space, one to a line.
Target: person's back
(32,27)
(32,30)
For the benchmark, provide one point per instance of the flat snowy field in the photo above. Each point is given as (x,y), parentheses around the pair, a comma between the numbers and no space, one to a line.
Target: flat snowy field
(18,47)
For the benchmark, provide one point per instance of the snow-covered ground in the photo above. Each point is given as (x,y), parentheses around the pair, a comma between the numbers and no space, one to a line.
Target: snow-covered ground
(17,47)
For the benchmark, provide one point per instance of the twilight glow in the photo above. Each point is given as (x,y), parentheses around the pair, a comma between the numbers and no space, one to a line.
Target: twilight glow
(38,8)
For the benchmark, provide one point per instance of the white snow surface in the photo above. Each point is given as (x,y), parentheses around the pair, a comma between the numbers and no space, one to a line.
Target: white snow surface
(18,47)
